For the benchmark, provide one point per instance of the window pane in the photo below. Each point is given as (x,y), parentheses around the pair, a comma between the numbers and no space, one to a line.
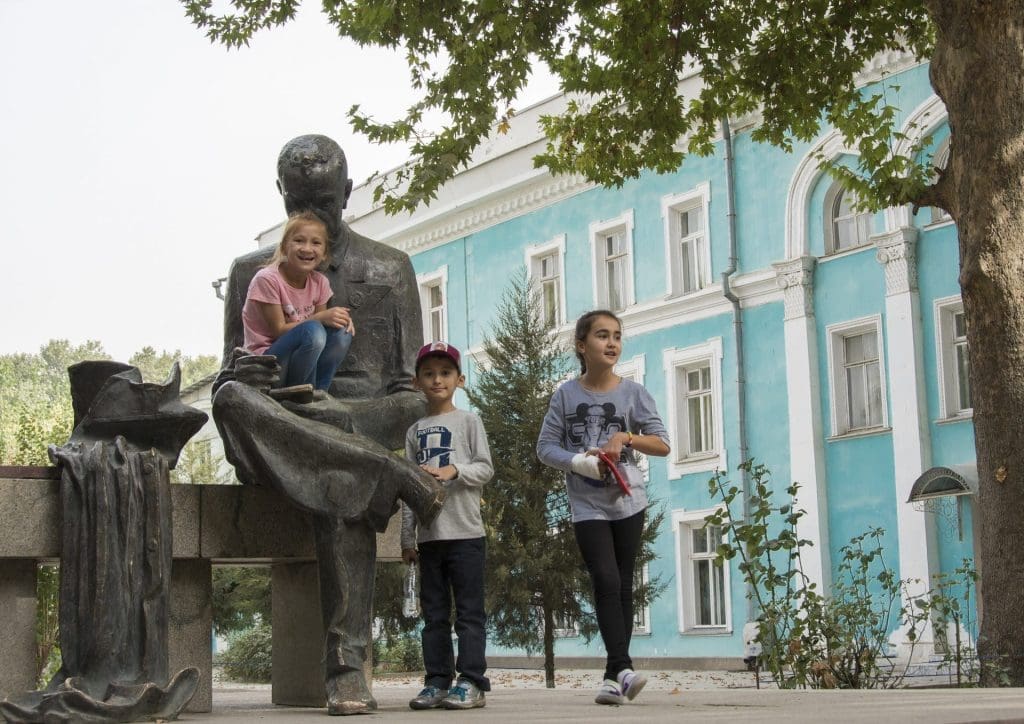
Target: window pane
(700,540)
(709,427)
(693,381)
(719,572)
(856,390)
(550,298)
(435,295)
(688,266)
(960,326)
(436,325)
(616,284)
(874,382)
(855,349)
(963,379)
(615,243)
(702,585)
(848,227)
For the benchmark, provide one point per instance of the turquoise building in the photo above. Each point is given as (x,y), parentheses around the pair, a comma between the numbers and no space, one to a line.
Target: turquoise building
(768,318)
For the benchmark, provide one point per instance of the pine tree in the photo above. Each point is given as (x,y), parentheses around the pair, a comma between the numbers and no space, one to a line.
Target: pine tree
(536,581)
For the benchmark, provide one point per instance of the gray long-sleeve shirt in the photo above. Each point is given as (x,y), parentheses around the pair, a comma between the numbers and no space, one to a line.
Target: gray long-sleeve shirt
(578,420)
(453,438)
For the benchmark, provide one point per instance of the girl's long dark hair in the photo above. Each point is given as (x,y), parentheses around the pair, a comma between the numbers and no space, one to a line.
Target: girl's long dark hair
(583,325)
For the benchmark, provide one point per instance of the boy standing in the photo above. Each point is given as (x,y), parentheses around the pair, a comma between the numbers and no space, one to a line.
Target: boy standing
(451,445)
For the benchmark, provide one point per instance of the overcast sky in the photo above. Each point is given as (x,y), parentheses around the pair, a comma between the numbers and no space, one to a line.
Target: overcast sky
(138,160)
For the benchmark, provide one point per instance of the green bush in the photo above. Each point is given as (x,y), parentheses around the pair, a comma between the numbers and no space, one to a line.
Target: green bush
(836,638)
(398,653)
(247,657)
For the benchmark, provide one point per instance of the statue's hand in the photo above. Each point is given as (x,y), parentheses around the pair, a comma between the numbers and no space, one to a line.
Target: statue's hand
(257,370)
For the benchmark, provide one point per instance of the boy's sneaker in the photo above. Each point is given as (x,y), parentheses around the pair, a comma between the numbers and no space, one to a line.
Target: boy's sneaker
(430,698)
(464,695)
(609,693)
(631,682)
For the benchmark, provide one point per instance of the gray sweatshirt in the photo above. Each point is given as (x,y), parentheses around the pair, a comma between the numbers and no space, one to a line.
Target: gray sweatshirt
(454,438)
(578,420)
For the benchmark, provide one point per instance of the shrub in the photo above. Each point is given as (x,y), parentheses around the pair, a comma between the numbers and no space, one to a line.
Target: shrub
(836,638)
(398,653)
(248,655)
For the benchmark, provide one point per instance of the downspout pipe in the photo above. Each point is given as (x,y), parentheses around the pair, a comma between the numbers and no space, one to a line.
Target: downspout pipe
(737,321)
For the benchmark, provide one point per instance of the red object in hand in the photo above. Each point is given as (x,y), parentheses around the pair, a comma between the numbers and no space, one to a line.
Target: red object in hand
(614,470)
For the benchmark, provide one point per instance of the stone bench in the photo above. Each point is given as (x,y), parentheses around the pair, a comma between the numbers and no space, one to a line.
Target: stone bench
(212,524)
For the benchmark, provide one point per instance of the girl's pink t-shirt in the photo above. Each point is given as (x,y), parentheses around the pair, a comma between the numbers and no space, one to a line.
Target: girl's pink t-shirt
(270,287)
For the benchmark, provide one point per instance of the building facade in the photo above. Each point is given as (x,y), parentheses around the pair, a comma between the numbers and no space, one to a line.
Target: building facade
(767,316)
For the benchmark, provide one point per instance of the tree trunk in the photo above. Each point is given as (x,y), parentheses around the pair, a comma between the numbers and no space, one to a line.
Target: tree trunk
(549,647)
(976,70)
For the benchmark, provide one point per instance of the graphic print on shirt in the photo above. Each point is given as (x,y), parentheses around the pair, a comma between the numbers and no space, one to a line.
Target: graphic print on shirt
(434,442)
(293,314)
(591,426)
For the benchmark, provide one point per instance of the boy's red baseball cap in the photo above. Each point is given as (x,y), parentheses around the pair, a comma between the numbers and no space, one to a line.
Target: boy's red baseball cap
(439,349)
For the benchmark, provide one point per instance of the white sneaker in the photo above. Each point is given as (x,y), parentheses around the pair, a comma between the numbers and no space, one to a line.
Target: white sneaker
(631,683)
(609,693)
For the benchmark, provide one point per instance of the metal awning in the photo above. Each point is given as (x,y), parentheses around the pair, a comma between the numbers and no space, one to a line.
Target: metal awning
(942,481)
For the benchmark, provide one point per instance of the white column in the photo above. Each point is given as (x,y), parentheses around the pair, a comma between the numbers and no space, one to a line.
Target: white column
(803,390)
(918,556)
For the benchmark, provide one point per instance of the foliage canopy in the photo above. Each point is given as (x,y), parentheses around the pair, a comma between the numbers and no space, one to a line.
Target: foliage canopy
(796,63)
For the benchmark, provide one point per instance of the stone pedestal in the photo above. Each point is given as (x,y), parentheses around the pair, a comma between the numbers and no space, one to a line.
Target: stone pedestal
(298,635)
(17,626)
(191,624)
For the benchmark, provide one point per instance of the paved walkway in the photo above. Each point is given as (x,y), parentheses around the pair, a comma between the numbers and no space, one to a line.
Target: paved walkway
(671,696)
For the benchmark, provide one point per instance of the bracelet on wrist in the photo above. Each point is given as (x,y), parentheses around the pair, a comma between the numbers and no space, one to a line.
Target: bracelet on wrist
(629,442)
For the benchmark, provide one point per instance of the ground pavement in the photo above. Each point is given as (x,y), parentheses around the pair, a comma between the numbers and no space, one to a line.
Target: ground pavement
(671,696)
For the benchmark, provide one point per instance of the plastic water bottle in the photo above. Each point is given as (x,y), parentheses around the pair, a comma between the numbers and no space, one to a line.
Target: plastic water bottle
(411,602)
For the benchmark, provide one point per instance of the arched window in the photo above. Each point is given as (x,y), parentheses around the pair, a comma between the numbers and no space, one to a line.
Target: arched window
(845,228)
(939,161)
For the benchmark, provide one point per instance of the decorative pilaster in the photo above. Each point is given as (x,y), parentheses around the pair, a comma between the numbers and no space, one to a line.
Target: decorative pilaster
(897,253)
(918,549)
(795,278)
(806,447)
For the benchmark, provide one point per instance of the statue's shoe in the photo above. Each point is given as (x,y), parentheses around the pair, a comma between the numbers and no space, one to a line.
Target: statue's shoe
(347,694)
(422,493)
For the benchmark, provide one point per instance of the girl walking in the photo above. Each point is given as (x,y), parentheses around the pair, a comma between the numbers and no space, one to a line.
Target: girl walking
(286,313)
(600,412)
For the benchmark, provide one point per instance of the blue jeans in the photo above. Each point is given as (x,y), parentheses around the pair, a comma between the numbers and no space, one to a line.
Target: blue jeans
(309,353)
(447,568)
(609,549)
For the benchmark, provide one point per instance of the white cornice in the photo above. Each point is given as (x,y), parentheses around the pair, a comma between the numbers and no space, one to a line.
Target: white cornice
(469,217)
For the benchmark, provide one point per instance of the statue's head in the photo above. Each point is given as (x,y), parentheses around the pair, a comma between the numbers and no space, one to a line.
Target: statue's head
(312,175)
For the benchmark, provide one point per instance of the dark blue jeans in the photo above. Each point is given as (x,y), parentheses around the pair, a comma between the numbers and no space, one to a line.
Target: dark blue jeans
(609,549)
(309,353)
(453,568)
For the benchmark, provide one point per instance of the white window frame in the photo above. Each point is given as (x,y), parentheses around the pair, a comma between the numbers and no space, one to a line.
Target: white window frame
(832,196)
(635,368)
(949,383)
(671,207)
(425,281)
(561,632)
(598,231)
(643,626)
(534,255)
(679,461)
(686,595)
(838,400)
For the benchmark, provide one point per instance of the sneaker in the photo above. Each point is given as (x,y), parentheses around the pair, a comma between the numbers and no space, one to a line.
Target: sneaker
(609,693)
(464,695)
(430,698)
(631,682)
